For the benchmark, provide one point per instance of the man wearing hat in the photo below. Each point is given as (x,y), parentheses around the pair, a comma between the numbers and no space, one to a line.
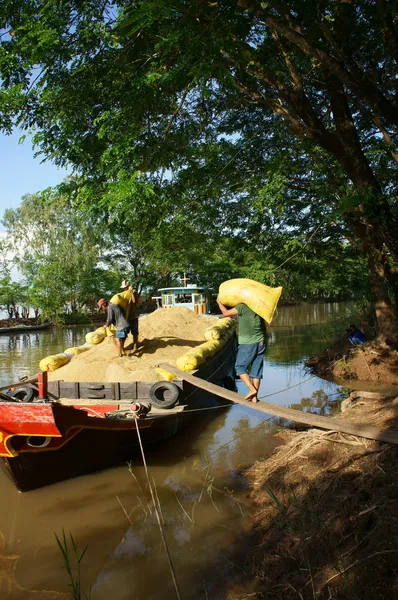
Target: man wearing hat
(116,317)
(132,313)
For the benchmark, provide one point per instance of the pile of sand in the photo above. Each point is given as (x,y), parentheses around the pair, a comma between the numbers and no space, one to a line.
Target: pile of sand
(164,335)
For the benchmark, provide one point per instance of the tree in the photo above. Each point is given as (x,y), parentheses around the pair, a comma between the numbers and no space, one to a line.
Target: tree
(56,251)
(12,293)
(158,87)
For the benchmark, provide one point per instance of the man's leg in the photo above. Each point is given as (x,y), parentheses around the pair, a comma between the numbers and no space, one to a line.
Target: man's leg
(119,345)
(257,368)
(134,332)
(244,357)
(252,395)
(256,383)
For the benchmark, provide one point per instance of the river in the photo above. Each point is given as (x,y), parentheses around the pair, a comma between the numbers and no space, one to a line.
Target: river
(198,477)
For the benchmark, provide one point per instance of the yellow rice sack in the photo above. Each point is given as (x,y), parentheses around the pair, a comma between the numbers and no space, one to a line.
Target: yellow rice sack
(51,363)
(198,355)
(165,375)
(224,328)
(189,362)
(96,337)
(123,300)
(212,346)
(259,297)
(77,349)
(110,330)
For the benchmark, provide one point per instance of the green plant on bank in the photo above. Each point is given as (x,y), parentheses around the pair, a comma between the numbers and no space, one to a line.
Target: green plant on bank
(345,365)
(75,580)
(292,515)
(345,392)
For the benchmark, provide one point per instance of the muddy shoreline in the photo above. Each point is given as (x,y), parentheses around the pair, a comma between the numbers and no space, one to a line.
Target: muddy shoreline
(325,516)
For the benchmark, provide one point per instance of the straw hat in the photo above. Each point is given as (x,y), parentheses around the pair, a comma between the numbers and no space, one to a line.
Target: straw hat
(125,283)
(101,302)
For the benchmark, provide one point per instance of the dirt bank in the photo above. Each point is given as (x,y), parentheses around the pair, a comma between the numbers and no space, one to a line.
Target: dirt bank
(373,361)
(326,517)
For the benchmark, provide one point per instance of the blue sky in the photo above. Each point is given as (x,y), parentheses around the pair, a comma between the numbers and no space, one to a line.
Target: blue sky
(21,173)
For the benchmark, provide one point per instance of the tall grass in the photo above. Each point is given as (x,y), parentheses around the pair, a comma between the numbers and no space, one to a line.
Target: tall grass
(75,579)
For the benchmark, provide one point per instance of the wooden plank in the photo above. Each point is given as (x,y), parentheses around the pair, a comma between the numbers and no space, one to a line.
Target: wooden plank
(13,385)
(68,389)
(128,391)
(310,419)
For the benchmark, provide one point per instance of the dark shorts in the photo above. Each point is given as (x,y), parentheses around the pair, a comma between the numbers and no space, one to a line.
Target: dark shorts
(123,333)
(134,326)
(250,355)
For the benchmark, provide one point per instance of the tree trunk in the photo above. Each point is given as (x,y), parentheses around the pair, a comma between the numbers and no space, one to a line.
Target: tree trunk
(378,273)
(385,314)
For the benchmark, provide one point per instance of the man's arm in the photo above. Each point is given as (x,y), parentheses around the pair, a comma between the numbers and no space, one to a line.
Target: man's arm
(264,328)
(227,312)
(111,317)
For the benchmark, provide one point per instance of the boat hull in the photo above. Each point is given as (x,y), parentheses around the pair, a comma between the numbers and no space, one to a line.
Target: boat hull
(83,444)
(19,329)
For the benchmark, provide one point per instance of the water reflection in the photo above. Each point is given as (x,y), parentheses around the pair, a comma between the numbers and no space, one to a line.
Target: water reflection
(20,353)
(198,477)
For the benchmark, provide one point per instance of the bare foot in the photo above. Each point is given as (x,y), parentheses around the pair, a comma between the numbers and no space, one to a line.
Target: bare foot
(252,395)
(255,399)
(134,350)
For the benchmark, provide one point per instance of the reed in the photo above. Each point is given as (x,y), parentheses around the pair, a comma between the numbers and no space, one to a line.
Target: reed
(75,578)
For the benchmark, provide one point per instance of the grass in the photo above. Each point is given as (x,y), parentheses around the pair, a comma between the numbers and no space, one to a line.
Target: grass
(293,515)
(75,578)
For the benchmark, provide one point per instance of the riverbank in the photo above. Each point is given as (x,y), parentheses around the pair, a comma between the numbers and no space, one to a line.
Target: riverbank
(376,360)
(325,522)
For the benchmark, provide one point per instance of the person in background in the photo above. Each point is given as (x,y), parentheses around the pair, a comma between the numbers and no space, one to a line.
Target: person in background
(251,346)
(132,314)
(117,318)
(355,335)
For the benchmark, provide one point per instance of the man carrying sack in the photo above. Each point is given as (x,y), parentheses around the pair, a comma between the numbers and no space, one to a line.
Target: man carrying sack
(131,313)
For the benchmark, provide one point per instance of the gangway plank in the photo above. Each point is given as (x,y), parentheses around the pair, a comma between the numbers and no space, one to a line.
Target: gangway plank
(331,423)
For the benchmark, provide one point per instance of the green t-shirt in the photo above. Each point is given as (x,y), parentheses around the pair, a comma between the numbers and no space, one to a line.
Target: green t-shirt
(250,330)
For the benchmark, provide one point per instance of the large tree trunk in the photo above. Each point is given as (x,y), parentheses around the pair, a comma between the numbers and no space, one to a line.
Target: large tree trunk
(378,274)
(385,314)
(372,220)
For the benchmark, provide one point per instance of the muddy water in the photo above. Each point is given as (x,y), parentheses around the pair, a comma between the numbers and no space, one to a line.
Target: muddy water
(198,478)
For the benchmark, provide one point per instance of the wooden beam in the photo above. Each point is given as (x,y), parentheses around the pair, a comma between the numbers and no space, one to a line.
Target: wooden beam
(366,431)
(20,383)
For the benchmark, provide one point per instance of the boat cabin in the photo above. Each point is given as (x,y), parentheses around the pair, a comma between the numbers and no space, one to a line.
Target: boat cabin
(193,297)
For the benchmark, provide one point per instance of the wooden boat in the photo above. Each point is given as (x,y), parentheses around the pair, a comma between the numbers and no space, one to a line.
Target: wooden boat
(23,328)
(74,428)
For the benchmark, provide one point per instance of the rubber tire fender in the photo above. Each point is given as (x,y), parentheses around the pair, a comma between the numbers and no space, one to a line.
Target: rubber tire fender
(23,394)
(156,391)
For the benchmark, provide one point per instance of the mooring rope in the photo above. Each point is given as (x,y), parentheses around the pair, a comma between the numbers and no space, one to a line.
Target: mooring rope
(157,515)
(288,388)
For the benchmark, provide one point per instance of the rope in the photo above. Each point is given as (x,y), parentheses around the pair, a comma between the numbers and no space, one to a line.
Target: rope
(157,515)
(288,388)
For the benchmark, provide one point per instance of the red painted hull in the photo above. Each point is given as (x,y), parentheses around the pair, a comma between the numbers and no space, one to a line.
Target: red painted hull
(42,443)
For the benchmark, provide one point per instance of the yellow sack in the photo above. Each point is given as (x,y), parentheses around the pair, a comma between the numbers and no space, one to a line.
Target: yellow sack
(259,297)
(196,357)
(223,329)
(51,363)
(165,375)
(189,362)
(122,299)
(77,349)
(213,346)
(111,330)
(96,337)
